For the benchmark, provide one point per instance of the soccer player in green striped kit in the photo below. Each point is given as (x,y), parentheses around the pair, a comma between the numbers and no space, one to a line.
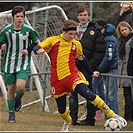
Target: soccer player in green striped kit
(17,40)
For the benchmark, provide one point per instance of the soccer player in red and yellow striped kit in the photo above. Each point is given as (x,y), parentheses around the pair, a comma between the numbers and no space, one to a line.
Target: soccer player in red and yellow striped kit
(63,51)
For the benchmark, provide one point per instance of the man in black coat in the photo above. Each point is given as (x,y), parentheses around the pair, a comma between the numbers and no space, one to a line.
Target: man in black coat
(92,40)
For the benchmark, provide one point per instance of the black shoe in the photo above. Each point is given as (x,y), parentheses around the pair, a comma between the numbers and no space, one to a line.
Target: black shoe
(75,123)
(86,123)
(11,118)
(17,105)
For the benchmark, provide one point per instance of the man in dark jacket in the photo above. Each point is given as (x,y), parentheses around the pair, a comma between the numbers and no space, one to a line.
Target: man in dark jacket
(108,65)
(92,40)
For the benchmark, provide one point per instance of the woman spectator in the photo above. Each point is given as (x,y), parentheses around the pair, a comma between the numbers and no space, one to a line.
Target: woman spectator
(125,36)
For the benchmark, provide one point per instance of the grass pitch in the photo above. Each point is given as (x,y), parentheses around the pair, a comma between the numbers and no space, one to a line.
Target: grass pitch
(32,118)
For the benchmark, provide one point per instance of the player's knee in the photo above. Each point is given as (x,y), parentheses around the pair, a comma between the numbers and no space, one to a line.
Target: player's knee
(85,92)
(91,98)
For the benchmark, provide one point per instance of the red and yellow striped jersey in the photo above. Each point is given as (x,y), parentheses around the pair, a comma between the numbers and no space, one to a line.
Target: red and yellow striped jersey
(62,55)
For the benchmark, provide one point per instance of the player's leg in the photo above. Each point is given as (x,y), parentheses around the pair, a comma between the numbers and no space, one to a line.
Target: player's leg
(64,112)
(10,81)
(62,109)
(22,77)
(84,91)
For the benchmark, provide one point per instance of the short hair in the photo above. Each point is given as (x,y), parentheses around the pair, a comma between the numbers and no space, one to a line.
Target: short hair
(69,24)
(124,24)
(18,9)
(83,8)
(101,23)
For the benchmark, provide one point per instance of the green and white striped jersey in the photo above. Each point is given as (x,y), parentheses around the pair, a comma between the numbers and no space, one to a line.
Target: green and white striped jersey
(14,61)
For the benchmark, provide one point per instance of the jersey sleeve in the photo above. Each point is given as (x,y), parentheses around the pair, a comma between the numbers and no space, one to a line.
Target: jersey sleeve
(46,44)
(3,36)
(34,36)
(79,49)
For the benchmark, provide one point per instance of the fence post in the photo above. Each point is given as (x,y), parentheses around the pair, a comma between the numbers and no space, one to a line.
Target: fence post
(44,92)
(107,88)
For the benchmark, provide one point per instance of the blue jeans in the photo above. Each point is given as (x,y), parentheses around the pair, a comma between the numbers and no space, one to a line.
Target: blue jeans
(98,86)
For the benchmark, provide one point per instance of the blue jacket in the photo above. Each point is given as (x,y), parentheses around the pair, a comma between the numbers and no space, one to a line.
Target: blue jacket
(110,59)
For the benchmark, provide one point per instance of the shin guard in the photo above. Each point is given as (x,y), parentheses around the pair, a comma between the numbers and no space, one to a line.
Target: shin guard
(99,103)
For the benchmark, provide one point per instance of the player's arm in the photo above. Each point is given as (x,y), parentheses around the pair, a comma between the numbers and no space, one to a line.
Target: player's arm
(38,50)
(87,66)
(1,44)
(30,48)
(44,46)
(34,38)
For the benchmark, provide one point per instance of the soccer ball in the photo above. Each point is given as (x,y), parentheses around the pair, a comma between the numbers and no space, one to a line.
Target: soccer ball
(112,124)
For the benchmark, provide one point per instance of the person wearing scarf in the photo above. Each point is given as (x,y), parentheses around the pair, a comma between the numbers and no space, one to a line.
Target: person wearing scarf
(125,34)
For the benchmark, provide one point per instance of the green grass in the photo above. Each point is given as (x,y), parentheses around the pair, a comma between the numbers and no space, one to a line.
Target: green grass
(32,118)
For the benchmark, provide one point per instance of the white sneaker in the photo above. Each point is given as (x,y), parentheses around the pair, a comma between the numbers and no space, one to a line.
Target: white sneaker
(65,127)
(121,119)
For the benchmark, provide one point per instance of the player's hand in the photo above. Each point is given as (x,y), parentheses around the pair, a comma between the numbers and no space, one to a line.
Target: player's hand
(3,46)
(41,51)
(95,74)
(25,52)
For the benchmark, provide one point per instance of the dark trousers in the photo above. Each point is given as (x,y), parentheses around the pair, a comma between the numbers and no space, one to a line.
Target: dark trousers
(73,105)
(128,113)
(73,102)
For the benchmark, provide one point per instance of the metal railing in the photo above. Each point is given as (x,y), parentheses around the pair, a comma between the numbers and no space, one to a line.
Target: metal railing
(106,86)
(106,75)
(102,74)
(118,76)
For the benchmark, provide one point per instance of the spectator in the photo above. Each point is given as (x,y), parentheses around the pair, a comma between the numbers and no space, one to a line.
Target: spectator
(94,47)
(108,65)
(125,13)
(125,34)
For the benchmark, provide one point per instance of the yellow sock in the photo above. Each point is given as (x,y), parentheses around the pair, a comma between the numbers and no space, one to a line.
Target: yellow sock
(98,102)
(66,116)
